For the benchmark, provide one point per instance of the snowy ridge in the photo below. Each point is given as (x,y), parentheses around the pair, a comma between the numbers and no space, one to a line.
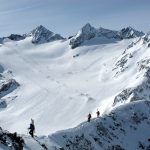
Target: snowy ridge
(123,128)
(16,37)
(133,59)
(126,124)
(13,37)
(129,32)
(88,32)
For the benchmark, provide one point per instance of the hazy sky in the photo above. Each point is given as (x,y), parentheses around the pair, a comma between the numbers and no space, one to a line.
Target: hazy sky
(68,16)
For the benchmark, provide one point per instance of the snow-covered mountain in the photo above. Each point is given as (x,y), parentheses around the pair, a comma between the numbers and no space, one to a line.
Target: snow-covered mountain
(39,35)
(88,32)
(135,58)
(43,35)
(129,32)
(56,86)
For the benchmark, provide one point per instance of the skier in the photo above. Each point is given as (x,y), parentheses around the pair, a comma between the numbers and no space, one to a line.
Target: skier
(98,113)
(32,128)
(89,117)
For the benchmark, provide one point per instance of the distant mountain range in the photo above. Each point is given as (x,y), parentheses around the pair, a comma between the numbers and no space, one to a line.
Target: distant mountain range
(41,35)
(88,32)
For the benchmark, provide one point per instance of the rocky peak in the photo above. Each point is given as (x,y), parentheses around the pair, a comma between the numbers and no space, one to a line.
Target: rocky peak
(88,29)
(39,30)
(16,37)
(147,37)
(129,32)
(88,32)
(42,35)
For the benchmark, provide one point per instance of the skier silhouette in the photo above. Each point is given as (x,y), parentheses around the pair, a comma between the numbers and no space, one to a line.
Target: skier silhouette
(32,128)
(89,117)
(98,113)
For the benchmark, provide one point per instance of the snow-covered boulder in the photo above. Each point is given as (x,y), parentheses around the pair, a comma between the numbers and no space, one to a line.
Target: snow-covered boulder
(42,35)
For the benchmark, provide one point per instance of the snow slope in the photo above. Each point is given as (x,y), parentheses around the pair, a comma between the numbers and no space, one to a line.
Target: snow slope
(124,128)
(58,86)
(57,89)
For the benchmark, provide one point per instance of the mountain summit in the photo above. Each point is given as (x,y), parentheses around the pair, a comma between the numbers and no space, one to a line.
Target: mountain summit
(39,35)
(129,32)
(88,32)
(42,35)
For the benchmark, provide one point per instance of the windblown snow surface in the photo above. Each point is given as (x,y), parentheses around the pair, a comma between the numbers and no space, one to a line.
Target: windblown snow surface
(59,86)
(57,89)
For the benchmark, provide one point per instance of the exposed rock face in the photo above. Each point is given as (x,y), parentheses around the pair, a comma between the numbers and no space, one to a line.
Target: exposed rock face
(88,32)
(1,69)
(129,32)
(147,37)
(108,33)
(10,140)
(16,37)
(13,37)
(7,86)
(42,35)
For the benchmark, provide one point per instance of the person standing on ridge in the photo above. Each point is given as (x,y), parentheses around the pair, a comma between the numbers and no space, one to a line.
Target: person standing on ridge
(98,113)
(32,128)
(89,117)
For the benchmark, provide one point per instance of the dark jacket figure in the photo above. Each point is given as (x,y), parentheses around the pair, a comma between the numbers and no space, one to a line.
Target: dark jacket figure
(89,117)
(98,113)
(31,128)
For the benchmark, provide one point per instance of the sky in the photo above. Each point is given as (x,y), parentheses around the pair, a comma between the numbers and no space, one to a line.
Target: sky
(66,17)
